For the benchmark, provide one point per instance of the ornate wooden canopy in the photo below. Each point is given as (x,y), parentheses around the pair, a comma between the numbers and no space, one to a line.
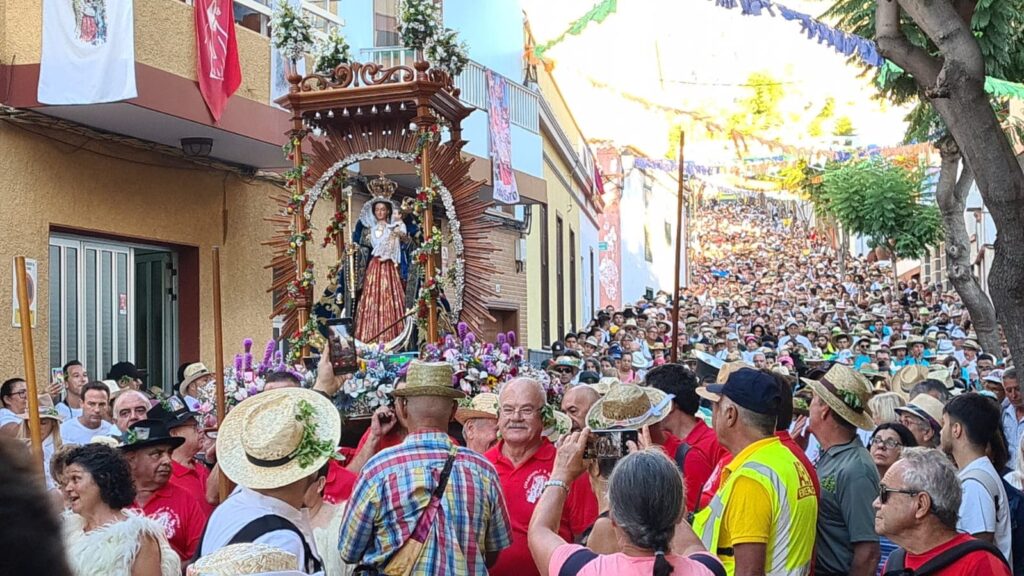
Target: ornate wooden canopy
(363,111)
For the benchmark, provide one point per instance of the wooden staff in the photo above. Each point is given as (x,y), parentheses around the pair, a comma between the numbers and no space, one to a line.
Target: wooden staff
(674,350)
(218,347)
(34,427)
(428,230)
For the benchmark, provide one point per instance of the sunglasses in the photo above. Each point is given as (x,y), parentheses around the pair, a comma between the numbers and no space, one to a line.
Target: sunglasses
(564,370)
(884,491)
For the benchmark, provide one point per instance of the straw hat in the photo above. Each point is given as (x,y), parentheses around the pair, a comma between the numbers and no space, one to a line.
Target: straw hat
(192,373)
(558,425)
(483,405)
(629,406)
(925,407)
(46,409)
(898,345)
(259,442)
(429,379)
(908,376)
(847,393)
(238,559)
(605,384)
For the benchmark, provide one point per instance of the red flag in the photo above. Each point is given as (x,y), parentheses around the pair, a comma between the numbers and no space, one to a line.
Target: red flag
(217,54)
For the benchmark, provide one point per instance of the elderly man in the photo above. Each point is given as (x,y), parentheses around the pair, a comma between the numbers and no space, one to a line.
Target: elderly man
(130,406)
(524,459)
(916,507)
(577,402)
(187,473)
(923,415)
(761,520)
(479,421)
(95,399)
(147,445)
(1012,413)
(196,375)
(402,485)
(847,543)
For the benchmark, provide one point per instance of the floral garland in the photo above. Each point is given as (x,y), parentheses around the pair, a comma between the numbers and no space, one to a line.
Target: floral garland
(419,21)
(429,247)
(311,448)
(292,33)
(424,137)
(331,52)
(308,335)
(430,292)
(334,226)
(302,286)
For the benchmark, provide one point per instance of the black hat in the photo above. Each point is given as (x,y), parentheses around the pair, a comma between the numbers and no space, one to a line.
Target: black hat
(146,433)
(171,411)
(589,377)
(123,369)
(557,347)
(748,388)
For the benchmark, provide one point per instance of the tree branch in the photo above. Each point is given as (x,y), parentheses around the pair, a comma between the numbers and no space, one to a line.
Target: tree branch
(945,26)
(965,8)
(893,44)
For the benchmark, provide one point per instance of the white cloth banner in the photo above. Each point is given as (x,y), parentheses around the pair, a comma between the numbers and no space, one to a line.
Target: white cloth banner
(88,54)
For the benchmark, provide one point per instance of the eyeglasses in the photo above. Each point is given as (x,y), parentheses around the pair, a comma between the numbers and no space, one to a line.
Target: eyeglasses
(884,491)
(564,370)
(887,443)
(20,393)
(524,411)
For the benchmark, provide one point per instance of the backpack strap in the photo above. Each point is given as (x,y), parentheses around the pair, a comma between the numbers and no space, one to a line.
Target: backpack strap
(990,485)
(895,565)
(576,561)
(709,562)
(272,523)
(680,455)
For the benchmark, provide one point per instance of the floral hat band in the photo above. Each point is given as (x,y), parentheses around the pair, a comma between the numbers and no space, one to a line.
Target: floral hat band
(310,447)
(848,397)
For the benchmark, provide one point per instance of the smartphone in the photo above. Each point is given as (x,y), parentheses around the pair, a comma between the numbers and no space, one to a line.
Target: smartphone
(609,444)
(343,346)
(57,377)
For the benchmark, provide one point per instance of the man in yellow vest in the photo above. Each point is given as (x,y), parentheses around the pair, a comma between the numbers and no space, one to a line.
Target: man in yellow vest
(762,519)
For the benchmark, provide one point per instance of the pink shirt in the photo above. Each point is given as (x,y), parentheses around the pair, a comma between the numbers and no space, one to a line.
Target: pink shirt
(623,565)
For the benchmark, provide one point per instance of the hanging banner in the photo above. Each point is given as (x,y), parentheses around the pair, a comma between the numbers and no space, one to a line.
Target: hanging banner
(217,68)
(32,276)
(500,139)
(596,14)
(88,52)
(610,260)
(278,72)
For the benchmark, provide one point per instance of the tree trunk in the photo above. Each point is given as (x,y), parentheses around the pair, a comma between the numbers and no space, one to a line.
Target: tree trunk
(955,87)
(844,244)
(951,196)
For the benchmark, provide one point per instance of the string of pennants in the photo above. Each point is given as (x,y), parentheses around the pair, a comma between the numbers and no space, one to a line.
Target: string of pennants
(849,44)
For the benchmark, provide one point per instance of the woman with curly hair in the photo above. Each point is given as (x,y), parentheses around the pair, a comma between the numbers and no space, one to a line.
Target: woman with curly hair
(103,538)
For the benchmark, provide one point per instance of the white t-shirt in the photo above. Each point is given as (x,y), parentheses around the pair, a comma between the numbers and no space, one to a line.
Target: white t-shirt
(8,417)
(66,412)
(978,512)
(73,432)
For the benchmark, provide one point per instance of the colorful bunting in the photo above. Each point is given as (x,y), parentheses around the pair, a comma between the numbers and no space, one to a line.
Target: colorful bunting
(597,14)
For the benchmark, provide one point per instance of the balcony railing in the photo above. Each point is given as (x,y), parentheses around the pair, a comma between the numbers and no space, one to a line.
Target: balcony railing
(472,83)
(256,15)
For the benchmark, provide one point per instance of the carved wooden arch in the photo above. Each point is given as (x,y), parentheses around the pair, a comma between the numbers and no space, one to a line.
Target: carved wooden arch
(330,154)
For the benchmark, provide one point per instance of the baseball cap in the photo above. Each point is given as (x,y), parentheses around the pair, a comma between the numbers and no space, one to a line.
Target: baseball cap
(748,388)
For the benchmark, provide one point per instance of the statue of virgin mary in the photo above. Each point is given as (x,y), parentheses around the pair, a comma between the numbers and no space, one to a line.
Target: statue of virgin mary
(379,235)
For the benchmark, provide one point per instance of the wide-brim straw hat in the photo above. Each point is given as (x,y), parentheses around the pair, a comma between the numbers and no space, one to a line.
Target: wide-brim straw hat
(605,384)
(629,407)
(247,558)
(46,409)
(483,405)
(909,376)
(925,407)
(430,379)
(898,345)
(260,443)
(192,373)
(847,393)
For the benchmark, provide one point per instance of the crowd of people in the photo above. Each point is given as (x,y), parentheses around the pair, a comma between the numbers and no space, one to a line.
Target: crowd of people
(816,421)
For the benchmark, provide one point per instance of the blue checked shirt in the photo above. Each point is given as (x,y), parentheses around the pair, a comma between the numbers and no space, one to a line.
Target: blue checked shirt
(393,490)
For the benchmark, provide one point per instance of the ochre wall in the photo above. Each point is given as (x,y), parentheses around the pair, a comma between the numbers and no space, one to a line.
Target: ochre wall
(165,38)
(45,184)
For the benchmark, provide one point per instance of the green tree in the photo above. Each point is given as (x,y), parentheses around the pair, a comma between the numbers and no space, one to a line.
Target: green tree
(946,48)
(816,127)
(879,200)
(759,111)
(843,127)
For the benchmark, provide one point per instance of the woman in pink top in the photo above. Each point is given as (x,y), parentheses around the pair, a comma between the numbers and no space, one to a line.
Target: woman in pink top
(645,493)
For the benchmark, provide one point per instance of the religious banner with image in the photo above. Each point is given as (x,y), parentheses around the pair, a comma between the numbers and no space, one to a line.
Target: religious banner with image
(500,139)
(88,52)
(217,68)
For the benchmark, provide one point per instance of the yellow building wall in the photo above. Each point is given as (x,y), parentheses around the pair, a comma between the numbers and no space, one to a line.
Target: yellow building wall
(44,183)
(164,38)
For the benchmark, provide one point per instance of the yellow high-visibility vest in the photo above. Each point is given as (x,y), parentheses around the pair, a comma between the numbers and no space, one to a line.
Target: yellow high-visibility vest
(794,510)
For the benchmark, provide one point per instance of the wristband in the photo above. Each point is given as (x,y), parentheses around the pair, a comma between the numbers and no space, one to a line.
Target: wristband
(558,483)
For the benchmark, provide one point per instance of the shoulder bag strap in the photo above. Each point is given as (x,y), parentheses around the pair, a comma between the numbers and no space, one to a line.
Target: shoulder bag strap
(946,558)
(710,562)
(680,455)
(576,561)
(987,482)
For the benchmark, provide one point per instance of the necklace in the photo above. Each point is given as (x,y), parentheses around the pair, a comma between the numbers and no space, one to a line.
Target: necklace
(379,230)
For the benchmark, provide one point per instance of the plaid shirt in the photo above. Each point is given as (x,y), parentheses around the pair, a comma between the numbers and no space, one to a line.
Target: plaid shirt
(394,488)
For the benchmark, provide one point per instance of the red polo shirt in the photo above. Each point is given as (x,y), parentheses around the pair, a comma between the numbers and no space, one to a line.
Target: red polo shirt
(193,480)
(180,515)
(339,483)
(704,453)
(522,487)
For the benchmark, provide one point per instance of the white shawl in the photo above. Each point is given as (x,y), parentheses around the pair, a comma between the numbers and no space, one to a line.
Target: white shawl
(110,550)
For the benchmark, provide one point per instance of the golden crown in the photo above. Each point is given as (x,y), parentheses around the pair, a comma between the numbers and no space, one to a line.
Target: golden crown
(381,187)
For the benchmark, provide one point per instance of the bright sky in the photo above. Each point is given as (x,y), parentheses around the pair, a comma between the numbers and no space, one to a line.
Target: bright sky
(689,54)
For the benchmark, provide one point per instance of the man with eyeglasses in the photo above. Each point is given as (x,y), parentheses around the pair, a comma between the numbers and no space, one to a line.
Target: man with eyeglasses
(523,459)
(970,429)
(917,508)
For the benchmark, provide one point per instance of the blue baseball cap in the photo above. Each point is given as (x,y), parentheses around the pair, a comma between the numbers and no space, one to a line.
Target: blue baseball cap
(748,388)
